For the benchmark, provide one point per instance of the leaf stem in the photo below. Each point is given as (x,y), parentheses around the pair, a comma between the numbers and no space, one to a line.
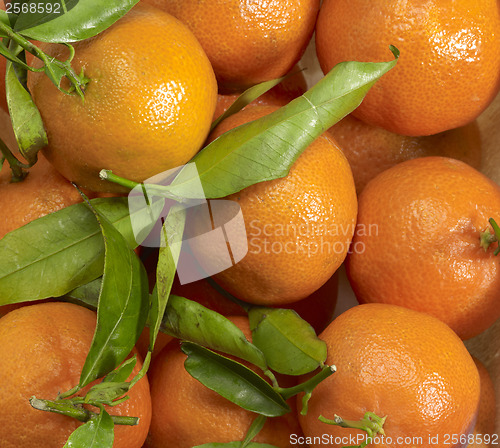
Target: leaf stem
(66,407)
(77,82)
(18,168)
(496,229)
(152,189)
(307,386)
(487,238)
(371,423)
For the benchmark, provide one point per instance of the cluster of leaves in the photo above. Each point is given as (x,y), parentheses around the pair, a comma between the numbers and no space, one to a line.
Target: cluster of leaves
(84,253)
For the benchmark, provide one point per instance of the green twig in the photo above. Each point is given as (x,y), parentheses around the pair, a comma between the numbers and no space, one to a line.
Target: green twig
(496,229)
(78,82)
(307,387)
(487,238)
(68,408)
(371,423)
(152,189)
(18,168)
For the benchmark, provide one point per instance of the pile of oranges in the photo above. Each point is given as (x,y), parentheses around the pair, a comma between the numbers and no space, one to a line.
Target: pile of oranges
(393,193)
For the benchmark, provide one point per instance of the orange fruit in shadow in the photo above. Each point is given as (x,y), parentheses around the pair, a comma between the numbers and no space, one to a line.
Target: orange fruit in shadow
(418,243)
(280,95)
(148,105)
(43,191)
(484,430)
(317,309)
(298,228)
(188,414)
(398,363)
(449,68)
(371,149)
(247,42)
(43,348)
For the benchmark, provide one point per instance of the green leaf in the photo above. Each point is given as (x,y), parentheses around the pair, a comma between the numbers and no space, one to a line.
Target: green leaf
(25,117)
(28,13)
(96,433)
(266,148)
(254,429)
(187,319)
(85,19)
(122,372)
(233,381)
(247,97)
(86,295)
(4,19)
(107,392)
(172,232)
(123,306)
(59,252)
(288,342)
(235,445)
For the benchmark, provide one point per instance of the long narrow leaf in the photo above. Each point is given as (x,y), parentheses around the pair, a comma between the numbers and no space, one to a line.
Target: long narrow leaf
(186,319)
(233,381)
(84,19)
(173,229)
(59,252)
(266,148)
(123,306)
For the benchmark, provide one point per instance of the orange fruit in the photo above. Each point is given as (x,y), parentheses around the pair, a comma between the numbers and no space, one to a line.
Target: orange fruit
(449,68)
(417,243)
(43,348)
(400,364)
(142,344)
(43,191)
(483,434)
(247,42)
(371,149)
(280,95)
(148,105)
(298,228)
(188,414)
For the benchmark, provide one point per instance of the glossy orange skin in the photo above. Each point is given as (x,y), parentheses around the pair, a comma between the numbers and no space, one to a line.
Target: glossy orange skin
(147,108)
(398,363)
(43,191)
(187,414)
(371,149)
(449,68)
(247,42)
(43,349)
(419,225)
(298,228)
(485,424)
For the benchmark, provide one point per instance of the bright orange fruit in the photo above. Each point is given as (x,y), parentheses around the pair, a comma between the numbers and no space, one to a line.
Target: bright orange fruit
(247,42)
(43,349)
(148,105)
(449,68)
(400,364)
(417,243)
